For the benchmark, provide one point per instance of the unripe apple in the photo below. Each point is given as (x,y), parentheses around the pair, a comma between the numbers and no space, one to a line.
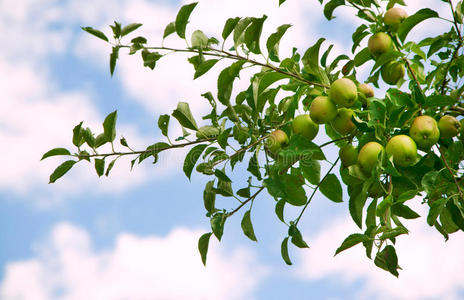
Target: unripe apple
(379,43)
(368,156)
(343,92)
(449,127)
(365,91)
(322,110)
(303,125)
(342,122)
(392,72)
(348,155)
(403,149)
(276,141)
(394,17)
(424,131)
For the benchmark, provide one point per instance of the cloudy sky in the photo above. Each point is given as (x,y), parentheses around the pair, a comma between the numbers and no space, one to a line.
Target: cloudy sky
(134,235)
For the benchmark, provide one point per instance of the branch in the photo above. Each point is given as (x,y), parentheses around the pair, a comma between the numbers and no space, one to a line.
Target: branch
(246,201)
(315,190)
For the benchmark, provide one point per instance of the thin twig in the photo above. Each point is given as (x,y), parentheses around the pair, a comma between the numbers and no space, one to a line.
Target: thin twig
(246,201)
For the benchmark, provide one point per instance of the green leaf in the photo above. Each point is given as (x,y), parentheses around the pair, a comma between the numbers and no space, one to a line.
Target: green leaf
(284,251)
(361,57)
(297,238)
(245,192)
(217,224)
(139,40)
(311,57)
(203,244)
(61,170)
(331,6)
(253,34)
(356,205)
(170,29)
(100,166)
(229,27)
(370,214)
(221,175)
(150,58)
(247,227)
(110,167)
(56,151)
(311,170)
(116,29)
(239,31)
(435,210)
(223,137)
(129,28)
(199,39)
(404,211)
(182,18)
(392,233)
(273,42)
(384,205)
(439,100)
(113,58)
(183,114)
(100,140)
(78,138)
(413,20)
(96,33)
(253,166)
(281,1)
(279,209)
(204,67)
(109,126)
(385,58)
(163,123)
(209,197)
(387,260)
(352,240)
(226,79)
(191,159)
(331,188)
(88,137)
(295,193)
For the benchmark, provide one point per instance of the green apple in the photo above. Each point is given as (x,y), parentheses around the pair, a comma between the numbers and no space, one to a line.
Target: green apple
(348,155)
(304,126)
(449,127)
(365,91)
(379,43)
(343,92)
(394,17)
(322,110)
(368,157)
(403,149)
(342,122)
(392,72)
(424,131)
(276,141)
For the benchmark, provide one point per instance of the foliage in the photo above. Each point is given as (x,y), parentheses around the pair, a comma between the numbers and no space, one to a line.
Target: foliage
(238,131)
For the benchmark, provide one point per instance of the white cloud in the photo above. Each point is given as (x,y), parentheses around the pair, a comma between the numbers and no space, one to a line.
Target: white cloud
(139,268)
(430,267)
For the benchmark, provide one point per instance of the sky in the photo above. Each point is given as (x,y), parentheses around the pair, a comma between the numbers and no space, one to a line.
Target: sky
(134,234)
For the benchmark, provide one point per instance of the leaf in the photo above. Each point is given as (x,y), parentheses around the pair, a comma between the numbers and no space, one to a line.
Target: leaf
(404,211)
(253,34)
(191,159)
(356,205)
(297,238)
(311,57)
(253,166)
(229,27)
(245,192)
(284,251)
(435,210)
(384,205)
(295,193)
(163,124)
(413,20)
(439,100)
(352,240)
(109,126)
(129,28)
(223,137)
(100,166)
(311,170)
(331,6)
(95,32)
(150,58)
(182,18)
(199,39)
(56,151)
(387,260)
(110,167)
(390,234)
(61,170)
(217,224)
(113,58)
(209,197)
(272,43)
(221,175)
(331,188)
(279,209)
(170,29)
(239,31)
(183,114)
(226,79)
(88,137)
(204,67)
(247,227)
(203,244)
(78,138)
(361,57)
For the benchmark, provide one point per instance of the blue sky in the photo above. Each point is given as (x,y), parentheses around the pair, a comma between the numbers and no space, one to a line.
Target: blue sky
(133,235)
